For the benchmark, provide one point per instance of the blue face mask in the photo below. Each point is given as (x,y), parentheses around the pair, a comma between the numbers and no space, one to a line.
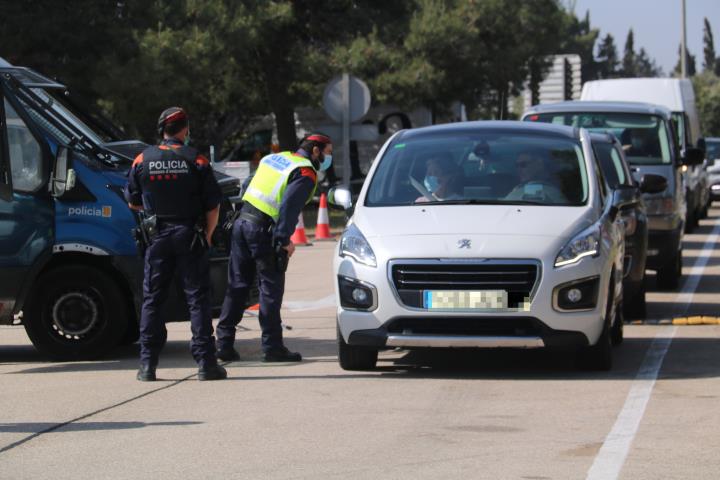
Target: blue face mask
(431,183)
(327,161)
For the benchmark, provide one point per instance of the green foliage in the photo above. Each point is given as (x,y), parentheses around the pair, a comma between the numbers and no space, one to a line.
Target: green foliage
(690,63)
(710,62)
(707,94)
(607,58)
(230,61)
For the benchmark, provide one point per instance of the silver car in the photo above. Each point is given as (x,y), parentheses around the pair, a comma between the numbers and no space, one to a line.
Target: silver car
(482,235)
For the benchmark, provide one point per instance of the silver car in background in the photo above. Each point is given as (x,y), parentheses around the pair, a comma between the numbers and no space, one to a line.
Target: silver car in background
(481,235)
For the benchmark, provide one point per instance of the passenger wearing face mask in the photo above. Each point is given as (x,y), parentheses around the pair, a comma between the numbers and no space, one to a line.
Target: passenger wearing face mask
(443,179)
(283,184)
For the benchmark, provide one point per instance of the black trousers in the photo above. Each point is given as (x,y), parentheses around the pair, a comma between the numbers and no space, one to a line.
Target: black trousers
(252,254)
(170,252)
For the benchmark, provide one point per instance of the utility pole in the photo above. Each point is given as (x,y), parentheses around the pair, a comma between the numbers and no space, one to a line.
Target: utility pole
(683,47)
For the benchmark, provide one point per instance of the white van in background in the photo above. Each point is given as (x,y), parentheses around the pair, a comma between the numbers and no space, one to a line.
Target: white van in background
(678,96)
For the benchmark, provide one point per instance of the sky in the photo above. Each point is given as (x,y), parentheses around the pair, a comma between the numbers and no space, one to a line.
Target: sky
(656,25)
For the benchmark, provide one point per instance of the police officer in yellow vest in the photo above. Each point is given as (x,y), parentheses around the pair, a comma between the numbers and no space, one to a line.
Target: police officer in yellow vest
(283,184)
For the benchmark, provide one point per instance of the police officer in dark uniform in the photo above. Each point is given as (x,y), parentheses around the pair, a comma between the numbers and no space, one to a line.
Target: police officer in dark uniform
(176,185)
(282,185)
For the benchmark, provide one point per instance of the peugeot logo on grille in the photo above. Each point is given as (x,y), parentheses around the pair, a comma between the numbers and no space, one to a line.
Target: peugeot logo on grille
(464,243)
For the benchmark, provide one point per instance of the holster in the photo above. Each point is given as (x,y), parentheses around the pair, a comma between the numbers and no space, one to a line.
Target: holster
(199,239)
(281,259)
(144,233)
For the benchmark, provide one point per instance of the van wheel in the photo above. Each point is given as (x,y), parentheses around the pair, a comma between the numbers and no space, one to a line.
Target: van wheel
(668,276)
(352,357)
(75,313)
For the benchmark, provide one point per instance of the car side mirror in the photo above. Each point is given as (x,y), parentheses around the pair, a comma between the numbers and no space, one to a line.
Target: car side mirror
(652,183)
(693,156)
(622,197)
(63,177)
(341,197)
(701,144)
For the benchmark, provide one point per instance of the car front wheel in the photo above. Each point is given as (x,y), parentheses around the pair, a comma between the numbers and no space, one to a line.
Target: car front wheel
(352,357)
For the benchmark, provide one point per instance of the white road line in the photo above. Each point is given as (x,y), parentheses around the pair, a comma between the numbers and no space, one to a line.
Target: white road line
(301,306)
(611,457)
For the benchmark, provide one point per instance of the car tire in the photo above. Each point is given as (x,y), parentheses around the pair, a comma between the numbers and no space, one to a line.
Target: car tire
(75,313)
(668,276)
(352,357)
(635,308)
(617,331)
(598,357)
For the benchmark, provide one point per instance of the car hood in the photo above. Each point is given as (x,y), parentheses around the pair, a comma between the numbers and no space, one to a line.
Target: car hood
(514,220)
(462,231)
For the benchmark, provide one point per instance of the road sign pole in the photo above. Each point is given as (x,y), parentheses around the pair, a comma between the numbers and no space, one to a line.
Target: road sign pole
(346,128)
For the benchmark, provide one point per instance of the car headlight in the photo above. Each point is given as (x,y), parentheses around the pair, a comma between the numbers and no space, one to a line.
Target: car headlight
(354,245)
(584,244)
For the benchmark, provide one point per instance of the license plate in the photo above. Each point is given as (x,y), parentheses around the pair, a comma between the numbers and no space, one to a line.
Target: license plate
(465,299)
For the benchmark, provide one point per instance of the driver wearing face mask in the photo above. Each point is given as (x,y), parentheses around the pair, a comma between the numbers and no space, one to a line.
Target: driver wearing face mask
(283,184)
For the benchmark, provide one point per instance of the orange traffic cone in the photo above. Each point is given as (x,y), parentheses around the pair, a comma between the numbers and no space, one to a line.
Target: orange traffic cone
(299,238)
(322,229)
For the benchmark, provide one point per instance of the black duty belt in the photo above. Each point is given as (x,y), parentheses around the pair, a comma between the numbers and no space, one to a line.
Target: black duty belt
(253,215)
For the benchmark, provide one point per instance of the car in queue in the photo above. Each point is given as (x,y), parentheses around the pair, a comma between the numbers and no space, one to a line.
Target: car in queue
(646,134)
(617,172)
(712,154)
(482,235)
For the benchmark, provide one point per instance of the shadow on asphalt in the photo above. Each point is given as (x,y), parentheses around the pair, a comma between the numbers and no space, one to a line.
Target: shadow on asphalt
(34,427)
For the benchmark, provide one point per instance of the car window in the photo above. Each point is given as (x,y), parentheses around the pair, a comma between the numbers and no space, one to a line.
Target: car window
(25,153)
(713,150)
(610,163)
(496,168)
(644,137)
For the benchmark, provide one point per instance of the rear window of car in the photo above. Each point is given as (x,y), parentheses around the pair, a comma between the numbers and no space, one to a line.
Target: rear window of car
(482,168)
(645,138)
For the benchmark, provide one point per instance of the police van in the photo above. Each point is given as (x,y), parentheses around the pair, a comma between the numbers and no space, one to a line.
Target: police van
(69,267)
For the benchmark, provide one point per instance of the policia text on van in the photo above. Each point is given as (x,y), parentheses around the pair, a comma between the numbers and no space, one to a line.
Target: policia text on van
(69,262)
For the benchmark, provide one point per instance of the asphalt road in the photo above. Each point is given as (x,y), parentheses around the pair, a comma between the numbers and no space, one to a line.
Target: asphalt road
(525,415)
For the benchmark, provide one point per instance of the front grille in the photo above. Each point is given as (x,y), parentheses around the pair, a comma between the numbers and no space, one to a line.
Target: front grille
(481,326)
(411,279)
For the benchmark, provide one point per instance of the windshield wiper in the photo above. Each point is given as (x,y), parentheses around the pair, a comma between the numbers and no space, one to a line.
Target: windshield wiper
(465,201)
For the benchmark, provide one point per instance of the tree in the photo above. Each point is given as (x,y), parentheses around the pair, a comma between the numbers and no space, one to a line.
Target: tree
(579,37)
(690,62)
(629,67)
(646,66)
(708,48)
(456,50)
(707,94)
(607,58)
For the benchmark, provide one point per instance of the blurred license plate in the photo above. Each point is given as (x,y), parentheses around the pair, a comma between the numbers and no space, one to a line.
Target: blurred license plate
(465,299)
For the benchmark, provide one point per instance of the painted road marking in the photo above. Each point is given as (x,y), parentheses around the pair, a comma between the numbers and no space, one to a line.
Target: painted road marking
(301,306)
(611,457)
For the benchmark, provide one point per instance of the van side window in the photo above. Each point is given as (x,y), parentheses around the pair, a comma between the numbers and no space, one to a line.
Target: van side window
(25,153)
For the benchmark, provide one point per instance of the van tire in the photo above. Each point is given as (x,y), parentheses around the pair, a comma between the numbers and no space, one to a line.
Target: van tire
(75,313)
(352,357)
(668,276)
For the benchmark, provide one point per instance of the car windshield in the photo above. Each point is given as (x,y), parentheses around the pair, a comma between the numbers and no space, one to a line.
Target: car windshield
(712,150)
(644,137)
(480,168)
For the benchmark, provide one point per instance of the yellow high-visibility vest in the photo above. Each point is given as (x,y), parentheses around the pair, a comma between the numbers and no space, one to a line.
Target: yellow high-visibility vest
(267,188)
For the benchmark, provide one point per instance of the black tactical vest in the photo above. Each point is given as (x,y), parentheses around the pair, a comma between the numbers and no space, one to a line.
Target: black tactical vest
(172,183)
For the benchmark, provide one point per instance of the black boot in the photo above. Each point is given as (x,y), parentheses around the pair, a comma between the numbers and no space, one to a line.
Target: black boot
(228,354)
(146,373)
(212,372)
(281,354)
